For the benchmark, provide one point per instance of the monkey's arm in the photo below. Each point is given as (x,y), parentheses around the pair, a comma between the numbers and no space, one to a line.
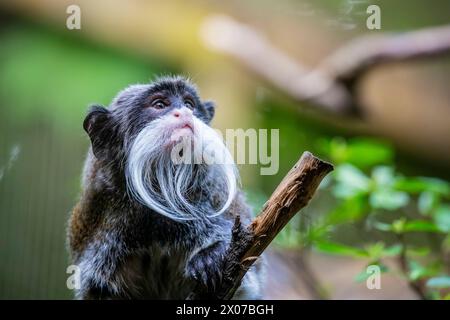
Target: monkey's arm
(100,265)
(205,266)
(100,248)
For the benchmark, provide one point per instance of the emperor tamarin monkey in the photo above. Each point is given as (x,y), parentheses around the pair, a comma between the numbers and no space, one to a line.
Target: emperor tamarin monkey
(147,226)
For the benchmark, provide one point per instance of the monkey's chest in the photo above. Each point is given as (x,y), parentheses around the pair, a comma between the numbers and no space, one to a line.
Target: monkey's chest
(163,271)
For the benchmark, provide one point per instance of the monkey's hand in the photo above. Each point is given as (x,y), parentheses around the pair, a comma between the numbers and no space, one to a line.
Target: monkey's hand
(205,267)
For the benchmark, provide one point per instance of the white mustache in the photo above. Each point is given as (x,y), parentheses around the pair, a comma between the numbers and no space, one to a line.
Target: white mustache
(157,180)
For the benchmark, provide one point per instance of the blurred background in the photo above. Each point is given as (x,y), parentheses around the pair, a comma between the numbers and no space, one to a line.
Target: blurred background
(386,204)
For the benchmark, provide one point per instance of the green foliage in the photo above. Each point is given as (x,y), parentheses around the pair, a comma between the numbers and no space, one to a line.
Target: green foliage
(340,249)
(418,271)
(403,217)
(439,282)
(361,152)
(401,226)
(423,184)
(441,217)
(51,77)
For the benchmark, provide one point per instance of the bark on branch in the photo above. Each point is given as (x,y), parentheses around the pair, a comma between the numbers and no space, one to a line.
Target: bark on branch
(330,86)
(291,195)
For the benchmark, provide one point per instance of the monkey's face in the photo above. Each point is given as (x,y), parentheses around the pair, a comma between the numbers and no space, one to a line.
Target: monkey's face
(160,133)
(172,101)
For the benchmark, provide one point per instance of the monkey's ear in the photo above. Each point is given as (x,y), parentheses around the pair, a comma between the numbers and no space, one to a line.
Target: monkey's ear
(96,118)
(210,110)
(96,124)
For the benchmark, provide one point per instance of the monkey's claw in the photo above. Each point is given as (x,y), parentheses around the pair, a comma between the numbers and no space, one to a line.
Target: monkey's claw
(205,268)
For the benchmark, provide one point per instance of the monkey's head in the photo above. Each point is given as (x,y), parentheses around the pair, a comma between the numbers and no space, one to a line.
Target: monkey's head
(158,137)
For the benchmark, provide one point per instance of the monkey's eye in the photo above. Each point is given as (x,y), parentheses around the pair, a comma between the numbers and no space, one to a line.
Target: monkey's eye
(158,104)
(189,103)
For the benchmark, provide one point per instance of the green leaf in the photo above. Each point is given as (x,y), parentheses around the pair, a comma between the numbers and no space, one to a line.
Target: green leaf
(350,181)
(442,218)
(382,226)
(375,250)
(318,232)
(367,152)
(349,210)
(439,282)
(383,176)
(417,271)
(340,249)
(393,250)
(427,202)
(398,226)
(420,226)
(421,184)
(402,225)
(336,148)
(361,152)
(388,199)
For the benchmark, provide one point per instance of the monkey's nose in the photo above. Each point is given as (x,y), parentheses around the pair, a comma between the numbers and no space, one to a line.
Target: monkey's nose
(182,113)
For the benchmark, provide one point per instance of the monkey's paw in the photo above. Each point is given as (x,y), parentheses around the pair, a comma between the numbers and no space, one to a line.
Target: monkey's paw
(205,267)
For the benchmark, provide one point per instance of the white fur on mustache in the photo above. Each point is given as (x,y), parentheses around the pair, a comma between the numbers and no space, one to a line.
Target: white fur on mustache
(158,179)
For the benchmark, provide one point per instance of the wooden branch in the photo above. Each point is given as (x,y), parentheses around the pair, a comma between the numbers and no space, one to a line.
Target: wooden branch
(354,59)
(253,50)
(329,86)
(247,244)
